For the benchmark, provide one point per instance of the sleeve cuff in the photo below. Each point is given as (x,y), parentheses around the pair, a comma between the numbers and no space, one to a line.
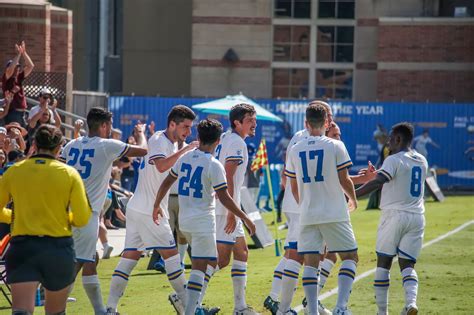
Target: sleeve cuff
(290,174)
(173,173)
(344,165)
(124,151)
(234,158)
(220,186)
(385,174)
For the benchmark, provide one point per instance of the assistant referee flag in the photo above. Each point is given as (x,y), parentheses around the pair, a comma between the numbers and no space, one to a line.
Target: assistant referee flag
(261,159)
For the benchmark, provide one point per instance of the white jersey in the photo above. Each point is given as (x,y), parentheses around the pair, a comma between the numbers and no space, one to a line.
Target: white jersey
(315,163)
(406,174)
(233,148)
(92,157)
(199,174)
(149,178)
(289,204)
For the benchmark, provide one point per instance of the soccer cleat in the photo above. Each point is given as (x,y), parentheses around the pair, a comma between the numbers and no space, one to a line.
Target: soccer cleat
(177,303)
(199,311)
(71,299)
(323,310)
(111,311)
(339,311)
(246,311)
(271,305)
(210,310)
(410,310)
(107,252)
(160,266)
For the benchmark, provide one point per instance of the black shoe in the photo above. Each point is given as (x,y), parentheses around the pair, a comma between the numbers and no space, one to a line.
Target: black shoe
(271,305)
(210,310)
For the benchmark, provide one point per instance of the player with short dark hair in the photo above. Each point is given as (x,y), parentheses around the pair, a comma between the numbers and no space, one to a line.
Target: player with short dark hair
(200,175)
(233,155)
(142,234)
(402,223)
(92,156)
(317,167)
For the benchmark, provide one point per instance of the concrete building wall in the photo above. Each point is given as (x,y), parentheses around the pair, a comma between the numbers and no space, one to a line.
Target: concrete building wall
(157,47)
(243,26)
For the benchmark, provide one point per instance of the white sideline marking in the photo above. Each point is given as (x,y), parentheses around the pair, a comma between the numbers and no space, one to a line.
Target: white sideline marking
(300,308)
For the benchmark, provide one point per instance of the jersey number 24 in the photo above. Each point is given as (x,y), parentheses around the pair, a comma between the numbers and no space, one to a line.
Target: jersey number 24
(190,180)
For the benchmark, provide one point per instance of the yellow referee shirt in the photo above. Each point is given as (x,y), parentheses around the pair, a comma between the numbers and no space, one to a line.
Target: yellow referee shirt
(48,196)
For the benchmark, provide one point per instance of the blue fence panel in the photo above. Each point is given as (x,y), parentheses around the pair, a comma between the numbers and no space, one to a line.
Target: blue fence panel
(451,126)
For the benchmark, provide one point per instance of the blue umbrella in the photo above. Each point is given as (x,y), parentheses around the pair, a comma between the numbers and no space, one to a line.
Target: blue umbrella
(222,106)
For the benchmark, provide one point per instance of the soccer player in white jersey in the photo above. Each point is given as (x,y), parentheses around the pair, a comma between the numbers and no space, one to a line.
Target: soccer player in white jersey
(318,169)
(142,233)
(285,276)
(402,223)
(92,156)
(233,155)
(199,175)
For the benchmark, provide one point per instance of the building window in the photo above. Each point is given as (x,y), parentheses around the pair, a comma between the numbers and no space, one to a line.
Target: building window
(334,84)
(291,43)
(336,9)
(290,83)
(335,44)
(299,9)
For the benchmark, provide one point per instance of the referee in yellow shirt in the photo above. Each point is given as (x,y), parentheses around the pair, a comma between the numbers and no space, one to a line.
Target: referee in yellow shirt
(49,198)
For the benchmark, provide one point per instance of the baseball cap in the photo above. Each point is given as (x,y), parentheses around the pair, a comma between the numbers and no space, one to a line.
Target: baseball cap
(45,91)
(9,62)
(3,130)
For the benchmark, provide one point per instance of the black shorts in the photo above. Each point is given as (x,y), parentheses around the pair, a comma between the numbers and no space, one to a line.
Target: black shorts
(48,260)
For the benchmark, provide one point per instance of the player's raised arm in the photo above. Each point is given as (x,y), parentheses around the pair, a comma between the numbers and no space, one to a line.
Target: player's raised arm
(165,186)
(228,202)
(140,149)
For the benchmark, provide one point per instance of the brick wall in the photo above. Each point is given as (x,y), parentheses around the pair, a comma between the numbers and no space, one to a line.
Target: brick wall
(420,86)
(44,28)
(426,43)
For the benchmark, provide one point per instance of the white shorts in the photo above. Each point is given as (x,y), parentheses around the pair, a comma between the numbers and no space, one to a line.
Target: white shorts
(85,239)
(144,234)
(400,232)
(203,245)
(222,236)
(293,220)
(337,236)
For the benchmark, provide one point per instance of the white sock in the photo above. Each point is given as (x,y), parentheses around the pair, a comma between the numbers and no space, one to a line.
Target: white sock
(193,291)
(119,281)
(91,285)
(182,248)
(381,285)
(176,277)
(310,286)
(105,245)
(410,284)
(277,276)
(239,280)
(325,268)
(345,281)
(207,278)
(288,284)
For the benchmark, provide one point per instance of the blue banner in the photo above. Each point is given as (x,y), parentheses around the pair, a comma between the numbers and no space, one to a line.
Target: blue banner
(444,132)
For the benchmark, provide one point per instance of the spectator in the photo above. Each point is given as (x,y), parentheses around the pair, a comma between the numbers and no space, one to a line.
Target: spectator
(35,248)
(12,81)
(16,134)
(36,113)
(3,161)
(5,106)
(128,169)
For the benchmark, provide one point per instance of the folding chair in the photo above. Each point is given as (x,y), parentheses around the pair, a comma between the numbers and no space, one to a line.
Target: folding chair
(4,245)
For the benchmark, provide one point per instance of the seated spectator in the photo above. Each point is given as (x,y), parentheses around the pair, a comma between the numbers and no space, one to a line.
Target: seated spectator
(36,113)
(12,81)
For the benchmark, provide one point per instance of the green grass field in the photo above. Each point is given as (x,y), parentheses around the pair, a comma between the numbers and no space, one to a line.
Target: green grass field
(445,270)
